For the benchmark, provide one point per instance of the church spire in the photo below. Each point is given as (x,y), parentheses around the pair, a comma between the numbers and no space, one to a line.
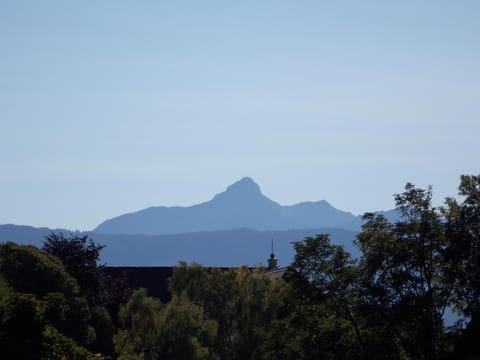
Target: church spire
(272,262)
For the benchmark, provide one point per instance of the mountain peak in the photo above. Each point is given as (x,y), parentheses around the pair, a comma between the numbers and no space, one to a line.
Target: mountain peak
(241,205)
(244,186)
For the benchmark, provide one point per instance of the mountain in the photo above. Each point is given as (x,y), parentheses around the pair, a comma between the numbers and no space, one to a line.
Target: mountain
(241,205)
(214,248)
(233,228)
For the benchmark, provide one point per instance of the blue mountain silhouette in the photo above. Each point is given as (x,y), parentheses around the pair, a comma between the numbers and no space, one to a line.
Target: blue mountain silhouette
(210,248)
(241,205)
(233,228)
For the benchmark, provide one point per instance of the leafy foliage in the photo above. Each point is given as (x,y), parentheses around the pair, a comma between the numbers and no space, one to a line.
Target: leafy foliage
(152,331)
(41,310)
(241,301)
(29,270)
(404,278)
(80,256)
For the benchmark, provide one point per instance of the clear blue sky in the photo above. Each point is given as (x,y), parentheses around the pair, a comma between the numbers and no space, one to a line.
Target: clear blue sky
(109,107)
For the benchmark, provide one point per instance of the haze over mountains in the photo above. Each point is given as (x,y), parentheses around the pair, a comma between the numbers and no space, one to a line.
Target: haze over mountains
(233,228)
(209,248)
(242,205)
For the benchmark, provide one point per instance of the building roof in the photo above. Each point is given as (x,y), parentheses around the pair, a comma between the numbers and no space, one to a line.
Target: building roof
(155,278)
(277,272)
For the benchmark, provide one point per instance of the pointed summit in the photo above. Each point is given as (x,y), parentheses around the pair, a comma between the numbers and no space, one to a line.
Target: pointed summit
(244,186)
(240,192)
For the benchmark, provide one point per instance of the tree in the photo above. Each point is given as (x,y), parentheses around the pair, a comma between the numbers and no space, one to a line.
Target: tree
(184,331)
(217,293)
(140,324)
(28,270)
(405,275)
(56,345)
(463,231)
(463,228)
(242,302)
(40,300)
(319,310)
(80,257)
(177,330)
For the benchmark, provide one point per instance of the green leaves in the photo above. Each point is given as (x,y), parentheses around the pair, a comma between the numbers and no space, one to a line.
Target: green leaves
(56,345)
(403,274)
(241,302)
(177,330)
(42,312)
(29,270)
(323,265)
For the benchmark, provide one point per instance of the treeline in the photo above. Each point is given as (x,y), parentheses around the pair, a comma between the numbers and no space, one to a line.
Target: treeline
(390,303)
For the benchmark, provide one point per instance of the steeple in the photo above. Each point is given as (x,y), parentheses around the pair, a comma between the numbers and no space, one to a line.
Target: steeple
(272,262)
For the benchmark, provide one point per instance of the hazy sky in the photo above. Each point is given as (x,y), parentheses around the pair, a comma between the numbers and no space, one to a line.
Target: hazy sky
(109,107)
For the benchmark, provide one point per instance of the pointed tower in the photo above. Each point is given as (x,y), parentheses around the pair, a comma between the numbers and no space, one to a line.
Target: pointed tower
(272,262)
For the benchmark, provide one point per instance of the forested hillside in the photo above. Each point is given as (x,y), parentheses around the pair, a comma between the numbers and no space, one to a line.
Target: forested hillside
(389,303)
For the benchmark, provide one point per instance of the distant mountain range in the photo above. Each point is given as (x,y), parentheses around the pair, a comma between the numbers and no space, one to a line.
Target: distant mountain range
(214,248)
(242,205)
(233,228)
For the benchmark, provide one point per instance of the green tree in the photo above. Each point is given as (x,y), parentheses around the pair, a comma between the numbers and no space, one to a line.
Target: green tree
(39,296)
(463,228)
(463,231)
(184,331)
(177,330)
(21,327)
(140,324)
(215,291)
(241,301)
(28,270)
(80,256)
(56,345)
(405,276)
(318,317)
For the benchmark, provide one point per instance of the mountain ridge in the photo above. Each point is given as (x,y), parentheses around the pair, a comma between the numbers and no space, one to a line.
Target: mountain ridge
(242,204)
(232,247)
